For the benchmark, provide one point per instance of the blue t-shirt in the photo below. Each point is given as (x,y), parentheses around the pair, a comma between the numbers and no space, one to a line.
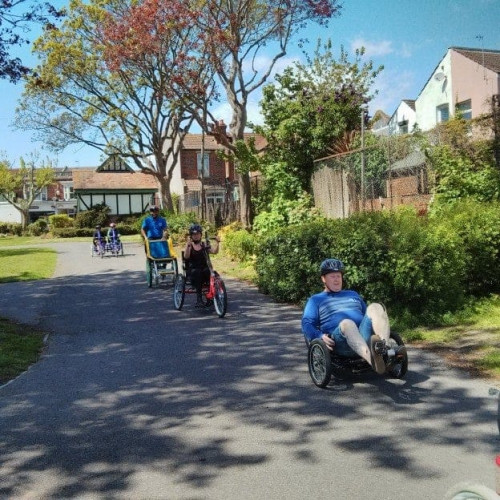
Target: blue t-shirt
(154,227)
(324,311)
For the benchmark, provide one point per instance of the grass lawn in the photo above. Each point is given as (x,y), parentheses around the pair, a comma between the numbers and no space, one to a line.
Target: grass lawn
(20,347)
(26,264)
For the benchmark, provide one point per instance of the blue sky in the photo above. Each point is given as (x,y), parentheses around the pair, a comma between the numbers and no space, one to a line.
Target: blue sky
(408,37)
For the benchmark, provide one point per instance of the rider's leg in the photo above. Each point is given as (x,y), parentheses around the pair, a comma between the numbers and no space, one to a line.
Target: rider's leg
(380,320)
(354,339)
(359,345)
(196,281)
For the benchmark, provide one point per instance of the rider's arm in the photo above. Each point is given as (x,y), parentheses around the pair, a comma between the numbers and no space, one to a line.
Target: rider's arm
(311,326)
(216,249)
(187,250)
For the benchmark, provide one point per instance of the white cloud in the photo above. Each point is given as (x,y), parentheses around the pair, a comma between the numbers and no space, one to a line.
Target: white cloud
(381,48)
(392,88)
(373,49)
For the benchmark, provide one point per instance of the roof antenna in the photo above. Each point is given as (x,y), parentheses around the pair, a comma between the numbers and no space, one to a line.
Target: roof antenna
(480,37)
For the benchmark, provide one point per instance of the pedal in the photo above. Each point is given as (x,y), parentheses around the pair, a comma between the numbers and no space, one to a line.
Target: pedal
(379,347)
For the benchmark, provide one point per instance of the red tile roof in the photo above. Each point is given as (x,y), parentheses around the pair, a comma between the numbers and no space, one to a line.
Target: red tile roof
(85,179)
(193,141)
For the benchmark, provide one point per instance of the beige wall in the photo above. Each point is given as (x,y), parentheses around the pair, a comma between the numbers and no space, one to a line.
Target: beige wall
(472,81)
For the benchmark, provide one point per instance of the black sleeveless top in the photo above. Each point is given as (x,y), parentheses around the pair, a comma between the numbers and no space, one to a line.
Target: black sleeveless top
(197,259)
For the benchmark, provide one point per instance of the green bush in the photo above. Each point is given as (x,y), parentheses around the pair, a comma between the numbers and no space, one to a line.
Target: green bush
(477,226)
(61,220)
(72,232)
(240,245)
(98,214)
(390,257)
(38,227)
(13,228)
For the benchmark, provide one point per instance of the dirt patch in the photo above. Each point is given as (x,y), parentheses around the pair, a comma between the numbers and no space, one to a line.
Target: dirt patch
(467,351)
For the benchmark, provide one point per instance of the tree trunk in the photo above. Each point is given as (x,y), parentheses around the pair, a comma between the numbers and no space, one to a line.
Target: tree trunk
(246,212)
(165,194)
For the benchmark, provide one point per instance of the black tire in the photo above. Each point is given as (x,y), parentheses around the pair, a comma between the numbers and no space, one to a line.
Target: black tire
(179,291)
(320,363)
(220,297)
(149,273)
(398,369)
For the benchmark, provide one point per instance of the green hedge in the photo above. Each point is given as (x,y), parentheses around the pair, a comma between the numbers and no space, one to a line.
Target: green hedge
(73,232)
(13,228)
(390,257)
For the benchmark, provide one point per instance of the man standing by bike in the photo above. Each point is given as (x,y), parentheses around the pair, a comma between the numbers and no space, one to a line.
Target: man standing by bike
(154,226)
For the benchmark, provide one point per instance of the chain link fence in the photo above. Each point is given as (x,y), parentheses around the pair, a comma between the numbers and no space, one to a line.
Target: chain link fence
(374,178)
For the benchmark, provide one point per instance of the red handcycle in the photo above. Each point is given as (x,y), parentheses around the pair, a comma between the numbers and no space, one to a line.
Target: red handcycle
(213,293)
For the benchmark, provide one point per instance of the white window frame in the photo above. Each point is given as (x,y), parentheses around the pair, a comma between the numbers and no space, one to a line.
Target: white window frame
(214,197)
(439,112)
(465,109)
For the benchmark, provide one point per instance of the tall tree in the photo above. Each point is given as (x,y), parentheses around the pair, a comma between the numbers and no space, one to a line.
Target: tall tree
(16,19)
(313,107)
(241,41)
(92,87)
(21,186)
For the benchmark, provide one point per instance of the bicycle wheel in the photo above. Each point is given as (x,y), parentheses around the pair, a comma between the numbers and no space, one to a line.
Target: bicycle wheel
(149,273)
(175,270)
(320,363)
(179,291)
(399,368)
(470,491)
(220,297)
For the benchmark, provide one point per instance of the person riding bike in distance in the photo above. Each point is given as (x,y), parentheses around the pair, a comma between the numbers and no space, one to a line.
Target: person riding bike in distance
(194,254)
(113,234)
(98,238)
(344,322)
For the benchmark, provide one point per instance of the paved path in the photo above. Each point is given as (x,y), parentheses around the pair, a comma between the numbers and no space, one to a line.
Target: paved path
(133,399)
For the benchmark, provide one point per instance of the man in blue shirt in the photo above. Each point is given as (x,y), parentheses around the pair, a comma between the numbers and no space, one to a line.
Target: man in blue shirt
(342,319)
(154,226)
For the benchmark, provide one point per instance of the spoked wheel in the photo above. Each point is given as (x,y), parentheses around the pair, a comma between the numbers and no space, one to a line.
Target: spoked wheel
(398,367)
(470,491)
(155,273)
(149,273)
(175,270)
(179,291)
(220,297)
(320,363)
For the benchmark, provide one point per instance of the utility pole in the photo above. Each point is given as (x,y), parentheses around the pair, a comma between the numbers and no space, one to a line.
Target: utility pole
(363,112)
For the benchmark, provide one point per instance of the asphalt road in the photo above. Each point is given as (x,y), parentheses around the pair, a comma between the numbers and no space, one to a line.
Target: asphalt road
(135,400)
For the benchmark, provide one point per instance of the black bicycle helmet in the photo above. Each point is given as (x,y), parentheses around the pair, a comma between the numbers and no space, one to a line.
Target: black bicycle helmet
(98,226)
(195,228)
(154,208)
(331,266)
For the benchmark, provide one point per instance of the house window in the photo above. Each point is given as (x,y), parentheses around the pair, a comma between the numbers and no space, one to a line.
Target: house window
(443,113)
(42,195)
(464,109)
(68,193)
(203,170)
(213,197)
